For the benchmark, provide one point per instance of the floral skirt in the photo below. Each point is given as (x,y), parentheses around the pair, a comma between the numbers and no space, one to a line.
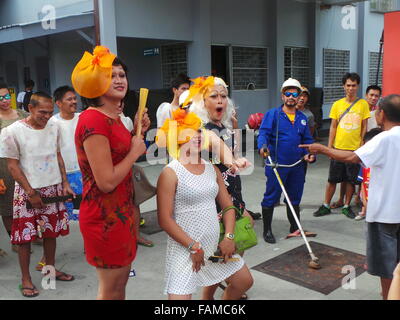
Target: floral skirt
(31,224)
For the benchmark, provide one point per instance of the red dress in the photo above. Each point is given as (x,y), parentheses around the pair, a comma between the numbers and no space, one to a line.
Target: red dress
(106,219)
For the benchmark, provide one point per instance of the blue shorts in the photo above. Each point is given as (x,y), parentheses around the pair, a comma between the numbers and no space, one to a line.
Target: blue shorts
(75,181)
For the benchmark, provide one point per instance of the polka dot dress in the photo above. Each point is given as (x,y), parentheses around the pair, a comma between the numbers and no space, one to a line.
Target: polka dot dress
(195,212)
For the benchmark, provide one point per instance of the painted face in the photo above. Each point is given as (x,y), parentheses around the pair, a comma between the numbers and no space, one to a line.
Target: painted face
(290,101)
(350,88)
(303,100)
(372,97)
(41,114)
(119,84)
(68,103)
(216,101)
(196,142)
(5,104)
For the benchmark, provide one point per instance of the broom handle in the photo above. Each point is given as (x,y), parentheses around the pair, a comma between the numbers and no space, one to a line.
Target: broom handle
(278,177)
(142,105)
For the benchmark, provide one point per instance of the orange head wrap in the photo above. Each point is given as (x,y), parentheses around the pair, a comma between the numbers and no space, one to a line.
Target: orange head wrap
(199,87)
(91,77)
(178,130)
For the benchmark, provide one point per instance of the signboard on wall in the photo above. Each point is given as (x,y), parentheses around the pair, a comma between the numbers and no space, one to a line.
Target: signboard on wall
(151,52)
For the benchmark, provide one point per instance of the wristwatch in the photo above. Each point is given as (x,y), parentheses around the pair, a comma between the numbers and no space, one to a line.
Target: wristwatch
(230,236)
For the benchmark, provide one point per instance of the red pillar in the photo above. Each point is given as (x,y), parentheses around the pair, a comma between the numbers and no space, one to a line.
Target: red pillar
(391,54)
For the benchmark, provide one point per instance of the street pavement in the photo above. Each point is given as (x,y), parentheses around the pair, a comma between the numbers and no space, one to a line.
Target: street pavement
(148,284)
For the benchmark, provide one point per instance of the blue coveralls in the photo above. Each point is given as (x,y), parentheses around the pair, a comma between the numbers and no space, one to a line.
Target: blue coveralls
(289,137)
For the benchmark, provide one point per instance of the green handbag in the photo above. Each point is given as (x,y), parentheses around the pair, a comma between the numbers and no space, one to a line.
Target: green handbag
(245,236)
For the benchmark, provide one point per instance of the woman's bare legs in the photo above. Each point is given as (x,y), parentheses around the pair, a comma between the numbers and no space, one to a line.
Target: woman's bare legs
(238,284)
(112,283)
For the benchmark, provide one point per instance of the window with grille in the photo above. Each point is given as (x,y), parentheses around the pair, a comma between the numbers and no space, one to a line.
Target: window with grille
(373,68)
(297,64)
(336,64)
(383,6)
(174,62)
(249,68)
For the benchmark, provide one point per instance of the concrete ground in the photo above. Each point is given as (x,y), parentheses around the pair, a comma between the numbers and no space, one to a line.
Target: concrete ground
(335,230)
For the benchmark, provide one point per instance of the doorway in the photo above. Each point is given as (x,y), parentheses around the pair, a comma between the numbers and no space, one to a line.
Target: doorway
(220,63)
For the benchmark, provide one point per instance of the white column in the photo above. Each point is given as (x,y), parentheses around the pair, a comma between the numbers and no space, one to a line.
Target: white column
(108,32)
(199,51)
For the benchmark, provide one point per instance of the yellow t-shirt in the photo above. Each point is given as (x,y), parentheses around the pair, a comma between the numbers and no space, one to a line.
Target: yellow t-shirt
(348,132)
(291,116)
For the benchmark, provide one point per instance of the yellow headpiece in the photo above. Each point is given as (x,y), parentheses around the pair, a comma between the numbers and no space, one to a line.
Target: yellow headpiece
(91,77)
(178,130)
(199,86)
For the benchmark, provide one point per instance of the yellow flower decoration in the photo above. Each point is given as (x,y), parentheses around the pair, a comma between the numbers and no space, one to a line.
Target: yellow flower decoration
(179,130)
(91,77)
(199,86)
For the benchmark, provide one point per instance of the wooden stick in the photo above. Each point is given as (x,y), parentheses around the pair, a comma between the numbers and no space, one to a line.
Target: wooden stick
(142,105)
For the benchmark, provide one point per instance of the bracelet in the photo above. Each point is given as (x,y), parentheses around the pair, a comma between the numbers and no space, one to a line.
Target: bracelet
(191,246)
(196,250)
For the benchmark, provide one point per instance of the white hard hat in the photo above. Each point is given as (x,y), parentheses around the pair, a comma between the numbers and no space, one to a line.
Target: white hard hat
(291,83)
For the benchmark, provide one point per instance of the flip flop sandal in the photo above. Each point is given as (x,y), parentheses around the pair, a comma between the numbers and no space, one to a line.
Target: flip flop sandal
(297,233)
(244,297)
(63,276)
(21,289)
(145,244)
(142,222)
(132,273)
(40,266)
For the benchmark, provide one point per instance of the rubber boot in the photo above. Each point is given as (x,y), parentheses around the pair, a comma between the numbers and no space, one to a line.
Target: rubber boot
(292,221)
(267,220)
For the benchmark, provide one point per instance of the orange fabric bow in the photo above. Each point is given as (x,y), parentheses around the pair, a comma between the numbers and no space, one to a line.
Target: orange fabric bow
(178,130)
(199,86)
(91,77)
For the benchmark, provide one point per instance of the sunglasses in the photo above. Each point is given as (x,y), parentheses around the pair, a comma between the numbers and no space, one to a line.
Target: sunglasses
(5,97)
(294,94)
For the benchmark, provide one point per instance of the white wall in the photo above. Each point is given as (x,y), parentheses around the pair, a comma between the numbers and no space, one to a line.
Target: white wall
(373,26)
(332,35)
(66,50)
(25,11)
(240,22)
(154,19)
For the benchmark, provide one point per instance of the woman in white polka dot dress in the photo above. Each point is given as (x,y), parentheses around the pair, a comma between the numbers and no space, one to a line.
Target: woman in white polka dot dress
(186,193)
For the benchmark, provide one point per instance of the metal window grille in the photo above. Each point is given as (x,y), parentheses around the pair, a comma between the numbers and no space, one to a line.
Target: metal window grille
(249,68)
(336,64)
(373,68)
(383,6)
(173,61)
(297,64)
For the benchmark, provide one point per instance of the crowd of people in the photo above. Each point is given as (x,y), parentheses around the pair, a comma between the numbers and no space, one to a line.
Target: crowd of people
(78,166)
